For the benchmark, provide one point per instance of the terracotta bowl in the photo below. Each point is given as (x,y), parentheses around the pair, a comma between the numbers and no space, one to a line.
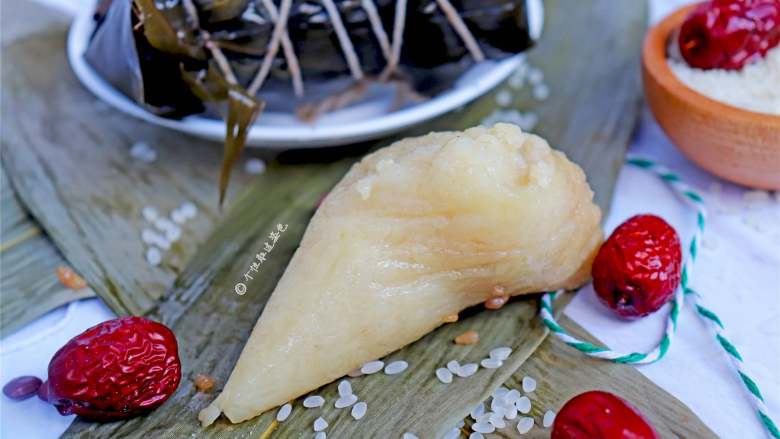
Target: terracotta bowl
(738,145)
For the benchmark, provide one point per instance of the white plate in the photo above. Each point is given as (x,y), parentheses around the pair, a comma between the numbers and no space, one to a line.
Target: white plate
(363,121)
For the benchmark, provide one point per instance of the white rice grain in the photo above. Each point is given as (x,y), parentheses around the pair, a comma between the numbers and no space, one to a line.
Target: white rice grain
(372,367)
(549,418)
(444,375)
(153,256)
(173,234)
(345,401)
(525,425)
(523,405)
(500,392)
(320,424)
(254,166)
(453,366)
(396,367)
(476,435)
(497,420)
(513,396)
(529,384)
(284,412)
(504,98)
(149,213)
(491,363)
(313,401)
(541,92)
(178,217)
(188,209)
(345,388)
(483,427)
(143,152)
(501,353)
(477,411)
(320,435)
(467,370)
(408,435)
(359,410)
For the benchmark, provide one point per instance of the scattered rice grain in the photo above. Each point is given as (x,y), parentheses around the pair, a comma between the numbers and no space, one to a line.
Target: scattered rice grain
(529,384)
(254,166)
(535,76)
(396,367)
(284,412)
(313,401)
(541,92)
(444,375)
(188,209)
(149,213)
(501,353)
(491,363)
(153,256)
(453,366)
(549,418)
(504,98)
(345,388)
(143,152)
(483,427)
(359,410)
(173,234)
(477,411)
(320,424)
(345,401)
(525,424)
(320,435)
(523,405)
(500,392)
(372,367)
(408,435)
(476,435)
(497,420)
(467,370)
(513,396)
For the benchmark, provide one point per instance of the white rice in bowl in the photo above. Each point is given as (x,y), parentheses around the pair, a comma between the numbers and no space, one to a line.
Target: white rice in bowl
(756,87)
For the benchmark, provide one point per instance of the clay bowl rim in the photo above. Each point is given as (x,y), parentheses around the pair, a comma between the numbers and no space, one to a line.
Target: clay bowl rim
(654,61)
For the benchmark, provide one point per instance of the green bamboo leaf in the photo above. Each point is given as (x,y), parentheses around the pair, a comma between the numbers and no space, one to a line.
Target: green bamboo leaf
(27,294)
(98,226)
(243,110)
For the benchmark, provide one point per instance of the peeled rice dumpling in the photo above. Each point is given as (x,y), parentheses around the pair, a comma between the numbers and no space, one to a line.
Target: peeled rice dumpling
(413,233)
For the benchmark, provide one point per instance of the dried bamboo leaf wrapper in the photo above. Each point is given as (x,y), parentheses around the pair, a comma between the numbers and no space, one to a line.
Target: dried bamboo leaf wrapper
(68,155)
(30,287)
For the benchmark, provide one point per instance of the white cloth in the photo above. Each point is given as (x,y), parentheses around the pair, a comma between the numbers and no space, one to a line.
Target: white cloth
(738,272)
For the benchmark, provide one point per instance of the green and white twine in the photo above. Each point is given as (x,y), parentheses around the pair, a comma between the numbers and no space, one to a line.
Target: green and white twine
(684,291)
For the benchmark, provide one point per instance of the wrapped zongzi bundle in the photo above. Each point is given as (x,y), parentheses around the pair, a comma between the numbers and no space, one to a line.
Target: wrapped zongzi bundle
(231,58)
